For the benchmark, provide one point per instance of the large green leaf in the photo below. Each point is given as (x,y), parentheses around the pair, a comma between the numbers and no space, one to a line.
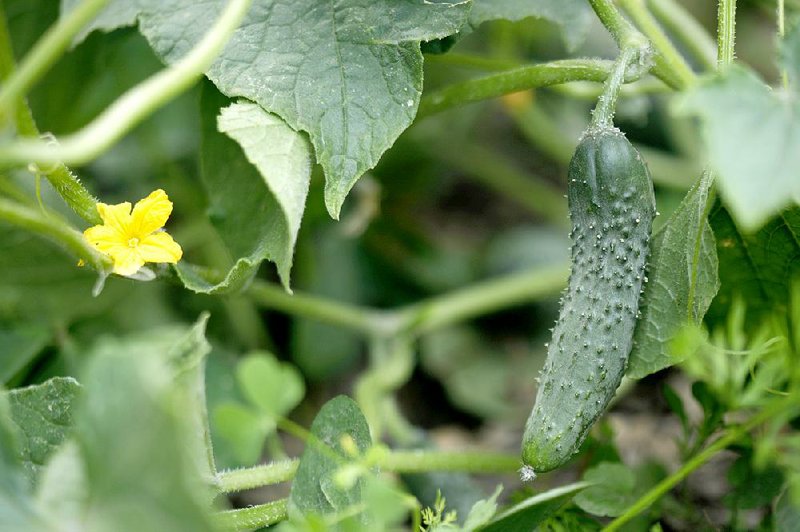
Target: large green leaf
(753,138)
(136,430)
(43,416)
(347,72)
(758,268)
(315,489)
(256,189)
(682,281)
(573,16)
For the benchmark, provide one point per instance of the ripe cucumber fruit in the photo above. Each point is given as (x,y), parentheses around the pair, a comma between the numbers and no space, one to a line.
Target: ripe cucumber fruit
(612,206)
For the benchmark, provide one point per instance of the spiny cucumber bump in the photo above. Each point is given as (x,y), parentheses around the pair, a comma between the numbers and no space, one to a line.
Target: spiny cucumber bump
(612,206)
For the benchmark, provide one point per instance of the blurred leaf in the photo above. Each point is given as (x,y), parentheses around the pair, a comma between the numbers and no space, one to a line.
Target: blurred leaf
(387,506)
(713,410)
(752,487)
(360,92)
(17,511)
(272,386)
(133,435)
(243,430)
(757,268)
(43,418)
(482,511)
(315,488)
(753,137)
(676,405)
(683,279)
(787,515)
(62,487)
(256,209)
(573,16)
(19,345)
(612,490)
(528,514)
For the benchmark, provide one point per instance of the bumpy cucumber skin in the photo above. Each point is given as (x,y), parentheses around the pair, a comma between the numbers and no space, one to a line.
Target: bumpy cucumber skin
(612,206)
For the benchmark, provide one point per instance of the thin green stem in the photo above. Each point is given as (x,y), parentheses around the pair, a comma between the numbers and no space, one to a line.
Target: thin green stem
(687,30)
(133,106)
(235,480)
(483,298)
(45,52)
(626,36)
(363,319)
(603,114)
(56,229)
(253,517)
(419,461)
(65,182)
(726,33)
(475,62)
(515,80)
(731,437)
(406,461)
(649,26)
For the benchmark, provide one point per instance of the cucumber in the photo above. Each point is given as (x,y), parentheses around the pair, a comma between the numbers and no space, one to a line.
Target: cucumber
(612,206)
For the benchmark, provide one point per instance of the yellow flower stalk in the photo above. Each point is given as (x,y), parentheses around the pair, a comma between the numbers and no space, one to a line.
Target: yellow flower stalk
(133,238)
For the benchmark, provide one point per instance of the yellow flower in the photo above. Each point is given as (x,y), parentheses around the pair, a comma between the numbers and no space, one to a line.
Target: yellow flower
(133,238)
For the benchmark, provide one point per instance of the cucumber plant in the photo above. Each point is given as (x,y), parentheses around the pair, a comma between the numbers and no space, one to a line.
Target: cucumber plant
(162,160)
(612,206)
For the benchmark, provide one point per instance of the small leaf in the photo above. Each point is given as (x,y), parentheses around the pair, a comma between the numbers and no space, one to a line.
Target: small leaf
(482,511)
(43,417)
(243,429)
(314,489)
(526,515)
(572,16)
(612,492)
(272,386)
(752,134)
(787,514)
(682,281)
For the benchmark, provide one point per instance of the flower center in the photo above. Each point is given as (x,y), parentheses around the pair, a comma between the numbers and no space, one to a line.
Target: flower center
(133,242)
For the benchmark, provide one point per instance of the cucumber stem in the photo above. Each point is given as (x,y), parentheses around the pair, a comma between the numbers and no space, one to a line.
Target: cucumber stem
(603,114)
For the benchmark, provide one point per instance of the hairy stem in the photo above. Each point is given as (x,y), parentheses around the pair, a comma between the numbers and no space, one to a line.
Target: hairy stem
(650,27)
(413,461)
(515,80)
(132,107)
(54,228)
(253,517)
(687,30)
(603,114)
(45,52)
(726,32)
(730,437)
(64,182)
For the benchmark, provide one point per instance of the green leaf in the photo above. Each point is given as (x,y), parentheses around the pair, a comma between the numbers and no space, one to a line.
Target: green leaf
(752,134)
(482,511)
(756,268)
(753,487)
(19,345)
(787,514)
(256,189)
(243,429)
(272,386)
(314,489)
(133,433)
(43,418)
(612,492)
(682,281)
(526,515)
(348,73)
(62,488)
(573,16)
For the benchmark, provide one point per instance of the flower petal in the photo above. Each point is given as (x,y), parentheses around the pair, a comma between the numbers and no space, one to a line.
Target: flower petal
(151,213)
(105,238)
(160,247)
(127,261)
(116,216)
